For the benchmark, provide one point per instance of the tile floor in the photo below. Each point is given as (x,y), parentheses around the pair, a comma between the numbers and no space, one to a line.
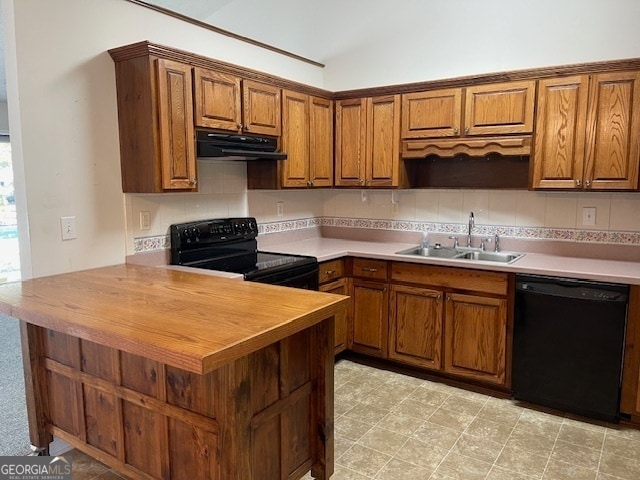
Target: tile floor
(394,427)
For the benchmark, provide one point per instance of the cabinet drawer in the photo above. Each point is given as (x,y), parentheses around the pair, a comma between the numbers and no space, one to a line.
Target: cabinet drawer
(331,270)
(446,277)
(367,268)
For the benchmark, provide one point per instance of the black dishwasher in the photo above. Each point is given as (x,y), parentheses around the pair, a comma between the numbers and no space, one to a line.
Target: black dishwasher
(568,343)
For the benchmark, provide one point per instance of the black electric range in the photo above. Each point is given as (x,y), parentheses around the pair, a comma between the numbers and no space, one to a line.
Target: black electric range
(230,245)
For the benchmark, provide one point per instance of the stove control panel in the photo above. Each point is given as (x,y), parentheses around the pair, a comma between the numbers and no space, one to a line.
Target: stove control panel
(185,236)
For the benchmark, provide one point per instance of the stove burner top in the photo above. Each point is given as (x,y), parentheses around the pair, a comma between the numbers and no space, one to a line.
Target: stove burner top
(230,245)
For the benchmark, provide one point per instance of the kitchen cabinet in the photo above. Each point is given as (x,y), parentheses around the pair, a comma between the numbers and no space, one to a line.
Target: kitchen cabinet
(332,279)
(155,118)
(307,138)
(227,102)
(367,151)
(475,337)
(415,326)
(435,326)
(588,132)
(630,393)
(370,297)
(494,109)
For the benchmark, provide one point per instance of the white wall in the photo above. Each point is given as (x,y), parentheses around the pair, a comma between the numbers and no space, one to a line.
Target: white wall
(417,40)
(62,109)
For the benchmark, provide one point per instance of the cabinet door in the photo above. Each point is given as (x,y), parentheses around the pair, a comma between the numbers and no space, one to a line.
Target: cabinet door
(217,100)
(350,142)
(613,131)
(295,139)
(261,108)
(499,109)
(558,155)
(432,114)
(475,337)
(175,108)
(342,321)
(321,142)
(383,141)
(370,318)
(415,330)
(630,393)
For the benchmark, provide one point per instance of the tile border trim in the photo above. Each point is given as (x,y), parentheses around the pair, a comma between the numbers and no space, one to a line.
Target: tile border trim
(146,244)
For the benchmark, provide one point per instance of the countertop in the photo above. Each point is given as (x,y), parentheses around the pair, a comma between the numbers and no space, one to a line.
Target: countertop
(185,319)
(531,263)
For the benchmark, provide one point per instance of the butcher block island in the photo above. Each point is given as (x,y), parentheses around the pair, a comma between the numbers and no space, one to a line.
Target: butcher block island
(168,374)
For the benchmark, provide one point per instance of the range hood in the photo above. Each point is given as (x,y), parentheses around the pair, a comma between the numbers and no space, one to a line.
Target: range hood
(224,146)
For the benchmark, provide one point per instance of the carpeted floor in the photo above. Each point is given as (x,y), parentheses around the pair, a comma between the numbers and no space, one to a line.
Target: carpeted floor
(14,439)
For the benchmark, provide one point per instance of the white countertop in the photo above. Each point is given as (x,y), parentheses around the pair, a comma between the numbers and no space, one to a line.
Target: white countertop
(533,263)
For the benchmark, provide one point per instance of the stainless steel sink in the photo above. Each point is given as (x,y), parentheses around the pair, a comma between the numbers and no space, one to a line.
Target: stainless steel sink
(501,257)
(463,253)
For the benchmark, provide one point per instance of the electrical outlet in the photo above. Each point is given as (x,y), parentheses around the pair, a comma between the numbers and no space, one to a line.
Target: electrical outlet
(364,196)
(280,208)
(68,228)
(145,220)
(588,215)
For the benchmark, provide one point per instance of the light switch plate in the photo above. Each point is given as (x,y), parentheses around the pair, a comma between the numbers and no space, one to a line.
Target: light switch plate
(588,216)
(145,220)
(68,228)
(280,209)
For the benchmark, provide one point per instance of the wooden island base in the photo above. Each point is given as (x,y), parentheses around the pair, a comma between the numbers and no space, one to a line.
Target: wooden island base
(267,415)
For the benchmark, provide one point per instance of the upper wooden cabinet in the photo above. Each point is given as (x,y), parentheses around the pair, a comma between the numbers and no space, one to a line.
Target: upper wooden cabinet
(494,109)
(227,102)
(367,151)
(155,117)
(307,138)
(588,132)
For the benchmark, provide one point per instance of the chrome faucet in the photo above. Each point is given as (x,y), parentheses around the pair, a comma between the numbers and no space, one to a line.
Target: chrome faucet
(471,225)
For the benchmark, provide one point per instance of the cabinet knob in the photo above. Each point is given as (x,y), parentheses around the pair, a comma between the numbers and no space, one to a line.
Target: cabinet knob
(193,182)
(455,130)
(362,180)
(578,183)
(239,126)
(309,183)
(247,127)
(448,299)
(438,297)
(587,183)
(466,130)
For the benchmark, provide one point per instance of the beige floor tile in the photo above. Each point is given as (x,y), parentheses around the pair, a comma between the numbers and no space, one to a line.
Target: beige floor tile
(341,473)
(438,435)
(380,399)
(400,470)
(618,466)
(366,413)
(500,411)
(429,397)
(499,473)
(422,453)
(624,446)
(540,424)
(398,423)
(531,442)
(579,435)
(565,471)
(461,404)
(522,461)
(478,448)
(576,455)
(341,445)
(451,419)
(351,428)
(412,408)
(383,440)
(490,430)
(363,460)
(458,467)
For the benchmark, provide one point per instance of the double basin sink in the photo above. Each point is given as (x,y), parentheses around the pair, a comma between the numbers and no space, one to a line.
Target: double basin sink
(462,253)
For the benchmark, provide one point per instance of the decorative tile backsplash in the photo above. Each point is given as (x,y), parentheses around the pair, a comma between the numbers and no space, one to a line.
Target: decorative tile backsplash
(146,244)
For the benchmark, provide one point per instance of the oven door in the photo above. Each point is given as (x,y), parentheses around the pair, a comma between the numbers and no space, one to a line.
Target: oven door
(305,276)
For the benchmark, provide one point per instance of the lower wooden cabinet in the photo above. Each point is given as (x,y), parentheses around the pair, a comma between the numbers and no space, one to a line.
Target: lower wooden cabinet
(476,337)
(630,394)
(415,326)
(340,287)
(370,318)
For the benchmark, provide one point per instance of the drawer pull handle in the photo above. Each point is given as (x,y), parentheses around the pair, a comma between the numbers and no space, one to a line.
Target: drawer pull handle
(329,272)
(366,269)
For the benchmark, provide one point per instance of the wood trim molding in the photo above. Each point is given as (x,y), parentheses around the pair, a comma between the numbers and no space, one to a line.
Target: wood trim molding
(146,48)
(224,32)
